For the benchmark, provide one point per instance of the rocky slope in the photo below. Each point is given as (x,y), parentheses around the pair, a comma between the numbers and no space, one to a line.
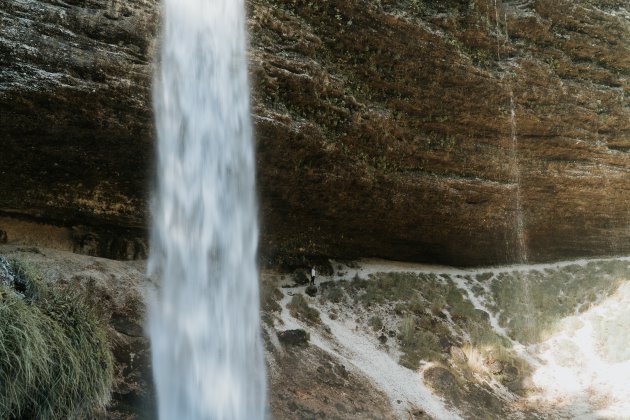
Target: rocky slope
(515,342)
(389,340)
(116,289)
(304,381)
(468,132)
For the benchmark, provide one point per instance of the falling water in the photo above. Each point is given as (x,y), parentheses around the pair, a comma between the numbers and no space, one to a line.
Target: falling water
(204,319)
(496,20)
(516,173)
(515,168)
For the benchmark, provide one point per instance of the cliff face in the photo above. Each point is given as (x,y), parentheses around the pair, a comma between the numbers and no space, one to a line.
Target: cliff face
(461,132)
(457,132)
(75,111)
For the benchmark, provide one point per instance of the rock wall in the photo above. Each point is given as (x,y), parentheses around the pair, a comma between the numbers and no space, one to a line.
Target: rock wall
(75,110)
(464,132)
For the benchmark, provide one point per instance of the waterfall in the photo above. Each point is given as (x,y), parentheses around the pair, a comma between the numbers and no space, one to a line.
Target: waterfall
(204,318)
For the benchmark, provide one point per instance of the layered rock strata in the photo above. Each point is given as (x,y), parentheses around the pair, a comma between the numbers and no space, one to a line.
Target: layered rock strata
(464,132)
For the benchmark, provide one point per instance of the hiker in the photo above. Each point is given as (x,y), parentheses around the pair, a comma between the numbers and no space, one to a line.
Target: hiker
(313,276)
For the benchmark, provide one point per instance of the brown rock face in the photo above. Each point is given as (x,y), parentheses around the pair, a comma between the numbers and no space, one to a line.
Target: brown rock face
(75,111)
(455,131)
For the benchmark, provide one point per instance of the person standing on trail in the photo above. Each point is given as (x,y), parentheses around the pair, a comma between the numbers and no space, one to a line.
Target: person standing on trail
(313,276)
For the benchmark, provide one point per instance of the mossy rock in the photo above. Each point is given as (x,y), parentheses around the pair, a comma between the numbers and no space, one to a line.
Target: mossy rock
(294,337)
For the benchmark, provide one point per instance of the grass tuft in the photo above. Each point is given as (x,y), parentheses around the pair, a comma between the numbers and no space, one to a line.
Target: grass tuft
(417,344)
(55,360)
(299,309)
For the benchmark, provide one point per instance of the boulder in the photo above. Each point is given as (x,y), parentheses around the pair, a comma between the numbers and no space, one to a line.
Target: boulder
(311,290)
(294,337)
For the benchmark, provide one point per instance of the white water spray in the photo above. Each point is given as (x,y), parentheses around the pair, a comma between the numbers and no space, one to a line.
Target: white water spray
(204,320)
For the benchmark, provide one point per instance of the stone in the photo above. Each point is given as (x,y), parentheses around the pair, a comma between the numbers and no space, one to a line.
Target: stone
(126,325)
(399,138)
(75,106)
(296,337)
(311,291)
(495,366)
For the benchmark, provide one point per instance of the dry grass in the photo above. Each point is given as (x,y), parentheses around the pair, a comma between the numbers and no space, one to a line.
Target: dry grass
(300,309)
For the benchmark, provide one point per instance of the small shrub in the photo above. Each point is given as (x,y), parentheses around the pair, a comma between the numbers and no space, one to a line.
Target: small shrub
(357,283)
(332,292)
(417,306)
(376,323)
(437,306)
(417,344)
(55,360)
(301,277)
(333,314)
(407,330)
(484,277)
(299,309)
(269,297)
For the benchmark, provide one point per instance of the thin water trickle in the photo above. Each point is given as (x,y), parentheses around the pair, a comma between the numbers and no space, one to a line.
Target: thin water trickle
(204,319)
(519,224)
(521,250)
(496,23)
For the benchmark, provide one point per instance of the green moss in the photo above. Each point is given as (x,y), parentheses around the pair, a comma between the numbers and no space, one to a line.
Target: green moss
(55,360)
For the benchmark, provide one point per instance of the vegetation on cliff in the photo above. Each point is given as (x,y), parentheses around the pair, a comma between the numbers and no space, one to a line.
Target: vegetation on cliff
(55,359)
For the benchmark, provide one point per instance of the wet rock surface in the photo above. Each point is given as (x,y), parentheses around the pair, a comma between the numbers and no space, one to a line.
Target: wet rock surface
(407,130)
